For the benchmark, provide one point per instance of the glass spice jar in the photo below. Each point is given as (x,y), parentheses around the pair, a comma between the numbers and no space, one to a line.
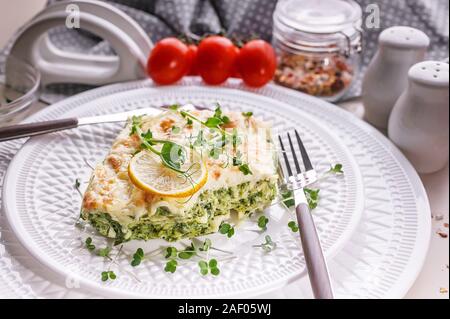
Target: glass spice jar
(318,44)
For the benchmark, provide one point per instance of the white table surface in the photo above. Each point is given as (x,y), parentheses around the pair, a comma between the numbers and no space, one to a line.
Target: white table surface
(433,281)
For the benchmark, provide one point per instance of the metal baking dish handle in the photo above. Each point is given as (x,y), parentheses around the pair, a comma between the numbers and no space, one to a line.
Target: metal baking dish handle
(126,37)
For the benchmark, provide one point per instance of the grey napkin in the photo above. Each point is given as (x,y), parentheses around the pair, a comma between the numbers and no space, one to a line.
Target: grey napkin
(244,18)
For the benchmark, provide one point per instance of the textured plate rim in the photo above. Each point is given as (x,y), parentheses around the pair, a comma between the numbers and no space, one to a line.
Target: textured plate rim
(27,241)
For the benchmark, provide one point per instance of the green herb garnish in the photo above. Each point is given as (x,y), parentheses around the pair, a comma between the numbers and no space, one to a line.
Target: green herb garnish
(336,169)
(206,245)
(176,129)
(226,229)
(262,222)
(137,257)
(245,169)
(293,226)
(77,184)
(209,267)
(89,244)
(174,107)
(268,245)
(247,114)
(108,275)
(104,252)
(171,252)
(171,266)
(312,196)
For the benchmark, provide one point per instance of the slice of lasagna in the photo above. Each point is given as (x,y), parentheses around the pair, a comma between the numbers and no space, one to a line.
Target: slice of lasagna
(238,154)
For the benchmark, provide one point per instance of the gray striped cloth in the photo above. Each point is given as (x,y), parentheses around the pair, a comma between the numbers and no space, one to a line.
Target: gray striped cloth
(245,18)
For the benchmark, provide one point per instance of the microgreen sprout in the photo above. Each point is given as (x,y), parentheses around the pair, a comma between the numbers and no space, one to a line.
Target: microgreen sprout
(206,245)
(174,107)
(108,275)
(104,252)
(176,129)
(245,169)
(262,222)
(171,266)
(138,256)
(209,267)
(288,198)
(89,245)
(293,226)
(226,229)
(312,196)
(268,245)
(171,252)
(247,114)
(336,169)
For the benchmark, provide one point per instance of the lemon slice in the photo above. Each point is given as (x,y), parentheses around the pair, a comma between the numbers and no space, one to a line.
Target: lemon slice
(148,173)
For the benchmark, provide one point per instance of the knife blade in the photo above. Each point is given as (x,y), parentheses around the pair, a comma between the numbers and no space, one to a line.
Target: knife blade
(32,129)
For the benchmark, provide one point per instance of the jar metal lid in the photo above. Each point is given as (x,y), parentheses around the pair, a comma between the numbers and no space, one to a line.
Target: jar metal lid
(319,16)
(319,25)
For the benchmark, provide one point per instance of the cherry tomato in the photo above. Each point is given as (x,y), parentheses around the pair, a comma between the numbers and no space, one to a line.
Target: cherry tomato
(192,58)
(257,63)
(215,59)
(235,70)
(168,61)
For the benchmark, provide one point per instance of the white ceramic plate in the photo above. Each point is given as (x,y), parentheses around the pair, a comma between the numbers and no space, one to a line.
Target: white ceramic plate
(381,259)
(42,205)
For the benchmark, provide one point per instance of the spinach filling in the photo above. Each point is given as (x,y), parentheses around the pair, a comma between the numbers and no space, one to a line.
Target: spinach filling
(245,199)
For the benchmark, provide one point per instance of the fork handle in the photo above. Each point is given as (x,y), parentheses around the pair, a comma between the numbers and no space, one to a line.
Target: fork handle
(315,261)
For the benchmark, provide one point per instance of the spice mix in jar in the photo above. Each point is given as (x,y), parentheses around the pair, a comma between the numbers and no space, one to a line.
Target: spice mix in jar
(319,45)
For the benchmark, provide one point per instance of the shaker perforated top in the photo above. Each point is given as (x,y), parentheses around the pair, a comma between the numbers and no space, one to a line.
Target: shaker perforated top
(404,38)
(431,73)
(319,16)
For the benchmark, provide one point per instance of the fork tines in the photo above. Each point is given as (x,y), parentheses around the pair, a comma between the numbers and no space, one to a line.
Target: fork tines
(303,152)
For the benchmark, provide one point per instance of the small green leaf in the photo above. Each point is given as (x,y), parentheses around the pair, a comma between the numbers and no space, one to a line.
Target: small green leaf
(245,169)
(247,114)
(104,252)
(173,155)
(171,266)
(176,130)
(112,275)
(206,245)
(225,120)
(293,226)
(230,232)
(174,107)
(215,153)
(312,196)
(262,222)
(89,244)
(224,228)
(336,169)
(185,255)
(135,124)
(212,263)
(203,267)
(105,276)
(288,198)
(213,122)
(171,252)
(215,271)
(140,252)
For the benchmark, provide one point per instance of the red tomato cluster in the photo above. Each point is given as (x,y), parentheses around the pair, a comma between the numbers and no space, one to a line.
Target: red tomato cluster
(215,59)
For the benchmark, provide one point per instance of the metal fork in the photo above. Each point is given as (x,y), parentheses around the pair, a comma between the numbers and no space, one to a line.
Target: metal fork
(315,261)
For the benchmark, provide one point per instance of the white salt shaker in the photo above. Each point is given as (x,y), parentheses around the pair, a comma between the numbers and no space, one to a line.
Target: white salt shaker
(419,123)
(399,48)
